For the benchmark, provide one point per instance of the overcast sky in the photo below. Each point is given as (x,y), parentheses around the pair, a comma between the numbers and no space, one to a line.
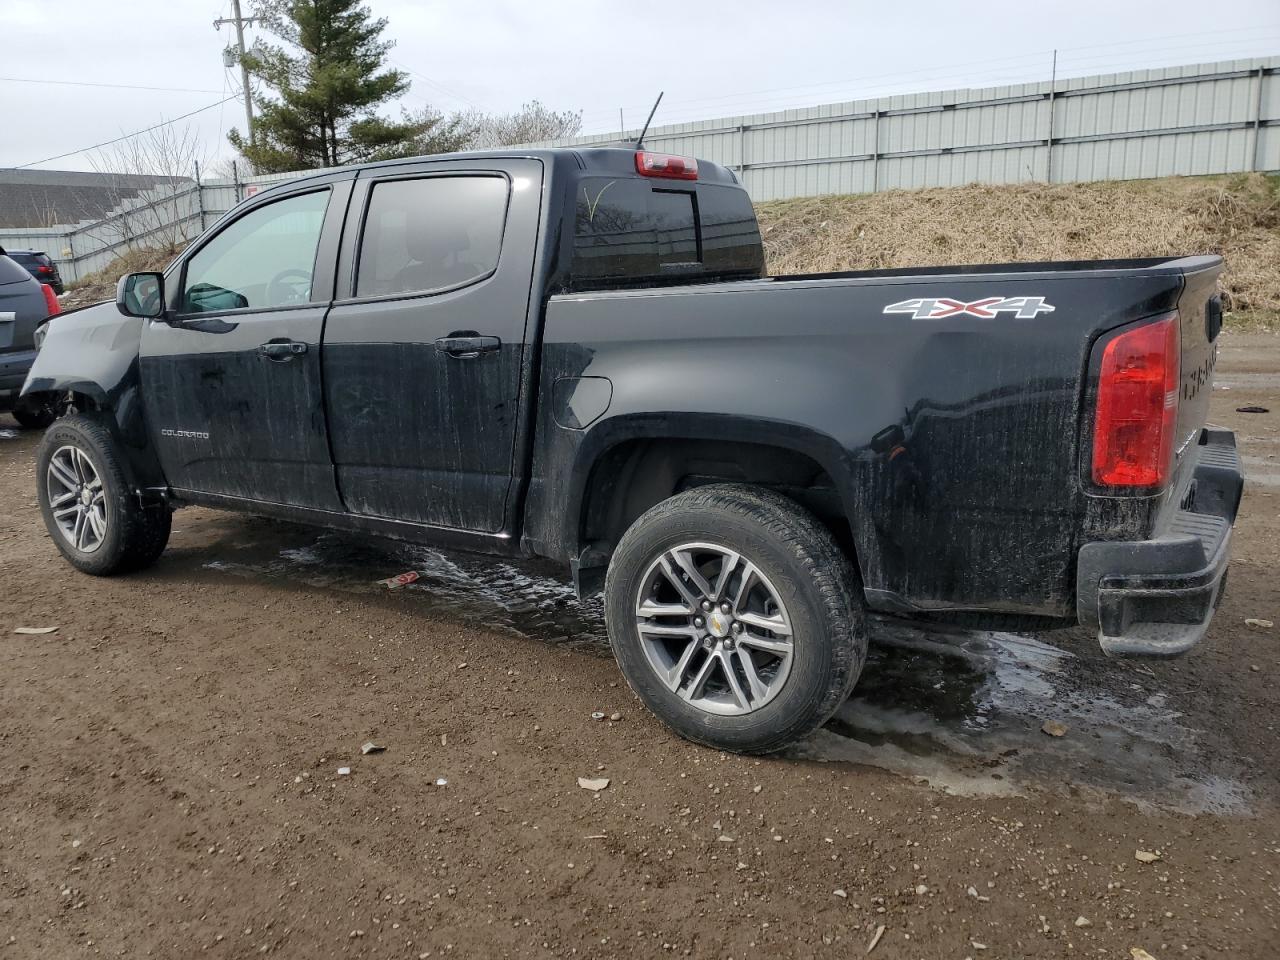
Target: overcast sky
(712,59)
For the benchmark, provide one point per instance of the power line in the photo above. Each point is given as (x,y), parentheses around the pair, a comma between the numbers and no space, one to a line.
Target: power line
(1267,38)
(1017,69)
(1161,39)
(1035,57)
(437,85)
(114,86)
(774,93)
(226,81)
(127,136)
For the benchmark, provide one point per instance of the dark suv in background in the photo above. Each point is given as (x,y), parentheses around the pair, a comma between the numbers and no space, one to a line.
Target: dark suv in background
(24,306)
(39,265)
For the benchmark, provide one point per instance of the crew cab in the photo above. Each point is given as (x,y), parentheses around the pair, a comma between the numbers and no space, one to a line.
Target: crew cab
(576,354)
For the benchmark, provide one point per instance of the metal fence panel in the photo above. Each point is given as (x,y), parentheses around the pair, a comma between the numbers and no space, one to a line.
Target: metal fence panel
(1144,123)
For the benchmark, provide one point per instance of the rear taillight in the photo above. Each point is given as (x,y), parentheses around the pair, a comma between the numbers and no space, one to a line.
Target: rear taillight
(1137,406)
(50,300)
(665,165)
(43,269)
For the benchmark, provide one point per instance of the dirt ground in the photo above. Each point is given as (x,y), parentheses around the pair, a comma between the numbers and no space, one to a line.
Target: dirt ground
(169,763)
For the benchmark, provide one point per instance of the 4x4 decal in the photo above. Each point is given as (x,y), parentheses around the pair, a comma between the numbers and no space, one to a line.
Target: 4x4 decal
(937,308)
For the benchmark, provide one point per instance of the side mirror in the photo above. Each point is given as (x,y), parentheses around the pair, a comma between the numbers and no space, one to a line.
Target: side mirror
(141,295)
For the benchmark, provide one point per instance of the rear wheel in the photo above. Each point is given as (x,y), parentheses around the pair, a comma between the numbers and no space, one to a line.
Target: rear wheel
(92,516)
(734,616)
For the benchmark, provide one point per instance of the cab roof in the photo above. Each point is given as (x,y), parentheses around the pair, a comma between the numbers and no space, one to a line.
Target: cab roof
(617,161)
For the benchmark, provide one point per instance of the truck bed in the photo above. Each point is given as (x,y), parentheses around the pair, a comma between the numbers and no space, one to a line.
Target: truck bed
(949,431)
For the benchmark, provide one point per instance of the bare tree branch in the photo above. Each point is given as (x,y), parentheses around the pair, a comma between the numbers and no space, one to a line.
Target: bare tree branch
(168,155)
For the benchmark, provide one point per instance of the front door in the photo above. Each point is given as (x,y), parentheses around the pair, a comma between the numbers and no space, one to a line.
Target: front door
(231,381)
(423,348)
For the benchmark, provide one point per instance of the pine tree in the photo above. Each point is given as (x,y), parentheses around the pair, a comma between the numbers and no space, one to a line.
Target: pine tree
(328,82)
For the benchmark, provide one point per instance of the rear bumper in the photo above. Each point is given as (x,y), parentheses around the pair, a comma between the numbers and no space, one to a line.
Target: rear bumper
(1156,597)
(13,373)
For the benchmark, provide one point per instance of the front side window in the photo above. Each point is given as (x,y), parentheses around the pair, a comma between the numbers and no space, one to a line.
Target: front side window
(433,233)
(265,259)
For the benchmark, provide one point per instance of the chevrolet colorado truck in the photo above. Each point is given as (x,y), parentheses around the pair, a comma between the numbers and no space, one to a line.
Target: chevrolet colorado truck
(576,354)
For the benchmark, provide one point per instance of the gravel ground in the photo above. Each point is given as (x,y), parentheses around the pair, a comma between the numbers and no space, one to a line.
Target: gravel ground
(170,756)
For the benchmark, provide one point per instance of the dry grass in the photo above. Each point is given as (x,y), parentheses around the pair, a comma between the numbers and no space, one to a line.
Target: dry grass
(1235,216)
(101,285)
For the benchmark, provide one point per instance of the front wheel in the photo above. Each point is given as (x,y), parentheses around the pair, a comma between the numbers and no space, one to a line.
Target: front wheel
(92,516)
(735,617)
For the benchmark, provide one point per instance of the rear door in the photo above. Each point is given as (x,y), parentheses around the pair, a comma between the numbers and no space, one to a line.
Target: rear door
(231,385)
(423,348)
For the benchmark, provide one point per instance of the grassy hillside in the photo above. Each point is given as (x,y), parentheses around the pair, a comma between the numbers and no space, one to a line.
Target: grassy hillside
(1236,216)
(101,284)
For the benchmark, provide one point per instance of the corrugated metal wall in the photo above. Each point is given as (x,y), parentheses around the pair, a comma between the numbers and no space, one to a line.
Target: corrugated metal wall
(1198,119)
(1204,118)
(155,218)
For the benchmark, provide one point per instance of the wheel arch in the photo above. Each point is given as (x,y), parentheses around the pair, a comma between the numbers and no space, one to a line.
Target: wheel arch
(625,465)
(131,531)
(90,357)
(668,649)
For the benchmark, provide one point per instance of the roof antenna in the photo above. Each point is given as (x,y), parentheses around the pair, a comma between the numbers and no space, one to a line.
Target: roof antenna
(640,139)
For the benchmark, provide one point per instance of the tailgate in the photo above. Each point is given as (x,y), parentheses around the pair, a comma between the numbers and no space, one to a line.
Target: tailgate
(1200,316)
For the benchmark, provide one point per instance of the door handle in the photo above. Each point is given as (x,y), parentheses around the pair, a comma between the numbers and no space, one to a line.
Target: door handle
(281,350)
(467,346)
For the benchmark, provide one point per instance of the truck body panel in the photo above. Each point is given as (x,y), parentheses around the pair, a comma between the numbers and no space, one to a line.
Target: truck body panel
(984,479)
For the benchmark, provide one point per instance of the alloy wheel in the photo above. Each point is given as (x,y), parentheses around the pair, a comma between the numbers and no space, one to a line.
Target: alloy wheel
(77,498)
(714,629)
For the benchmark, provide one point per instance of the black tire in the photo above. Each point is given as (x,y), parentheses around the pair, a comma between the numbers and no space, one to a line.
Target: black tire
(812,578)
(32,416)
(135,535)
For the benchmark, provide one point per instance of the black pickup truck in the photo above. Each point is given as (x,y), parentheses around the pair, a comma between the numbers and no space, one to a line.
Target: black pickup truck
(576,354)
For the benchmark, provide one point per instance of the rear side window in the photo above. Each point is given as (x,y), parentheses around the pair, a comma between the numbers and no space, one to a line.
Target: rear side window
(631,232)
(431,233)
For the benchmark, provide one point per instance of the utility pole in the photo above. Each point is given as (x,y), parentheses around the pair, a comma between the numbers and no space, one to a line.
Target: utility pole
(240,23)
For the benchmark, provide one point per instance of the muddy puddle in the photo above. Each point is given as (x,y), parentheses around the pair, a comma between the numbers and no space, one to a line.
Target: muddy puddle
(960,709)
(479,591)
